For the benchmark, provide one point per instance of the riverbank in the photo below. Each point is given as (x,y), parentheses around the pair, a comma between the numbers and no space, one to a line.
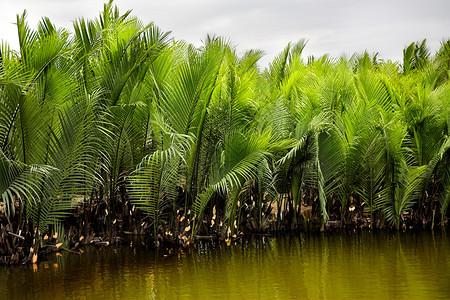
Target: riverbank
(16,242)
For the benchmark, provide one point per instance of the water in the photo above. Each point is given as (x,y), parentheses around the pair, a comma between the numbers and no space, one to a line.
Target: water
(332,266)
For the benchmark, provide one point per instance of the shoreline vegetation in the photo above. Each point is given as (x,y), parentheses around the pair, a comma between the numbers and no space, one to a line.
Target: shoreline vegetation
(119,129)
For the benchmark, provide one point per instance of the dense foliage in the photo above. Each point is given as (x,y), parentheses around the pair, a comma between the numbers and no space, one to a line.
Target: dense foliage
(117,121)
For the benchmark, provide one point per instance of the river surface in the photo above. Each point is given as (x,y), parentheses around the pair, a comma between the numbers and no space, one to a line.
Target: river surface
(412,265)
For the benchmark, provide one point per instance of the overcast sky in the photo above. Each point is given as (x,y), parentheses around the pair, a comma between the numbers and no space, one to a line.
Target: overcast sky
(330,26)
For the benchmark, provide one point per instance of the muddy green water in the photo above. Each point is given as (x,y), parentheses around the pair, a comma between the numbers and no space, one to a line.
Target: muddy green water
(331,266)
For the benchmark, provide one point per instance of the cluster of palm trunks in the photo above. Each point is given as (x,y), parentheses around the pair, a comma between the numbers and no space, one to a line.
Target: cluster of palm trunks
(116,129)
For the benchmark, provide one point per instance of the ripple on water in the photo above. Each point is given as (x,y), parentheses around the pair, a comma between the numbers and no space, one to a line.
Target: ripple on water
(319,266)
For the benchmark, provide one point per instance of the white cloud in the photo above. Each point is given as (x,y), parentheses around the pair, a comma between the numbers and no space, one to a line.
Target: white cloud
(334,27)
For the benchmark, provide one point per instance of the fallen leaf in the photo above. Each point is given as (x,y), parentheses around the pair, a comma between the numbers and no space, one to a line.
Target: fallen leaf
(55,236)
(45,237)
(58,254)
(187,228)
(59,245)
(34,259)
(81,238)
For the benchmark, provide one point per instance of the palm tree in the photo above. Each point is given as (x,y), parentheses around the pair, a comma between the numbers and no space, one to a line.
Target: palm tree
(122,112)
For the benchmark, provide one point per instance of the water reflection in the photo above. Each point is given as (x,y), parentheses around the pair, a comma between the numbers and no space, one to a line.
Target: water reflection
(325,266)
